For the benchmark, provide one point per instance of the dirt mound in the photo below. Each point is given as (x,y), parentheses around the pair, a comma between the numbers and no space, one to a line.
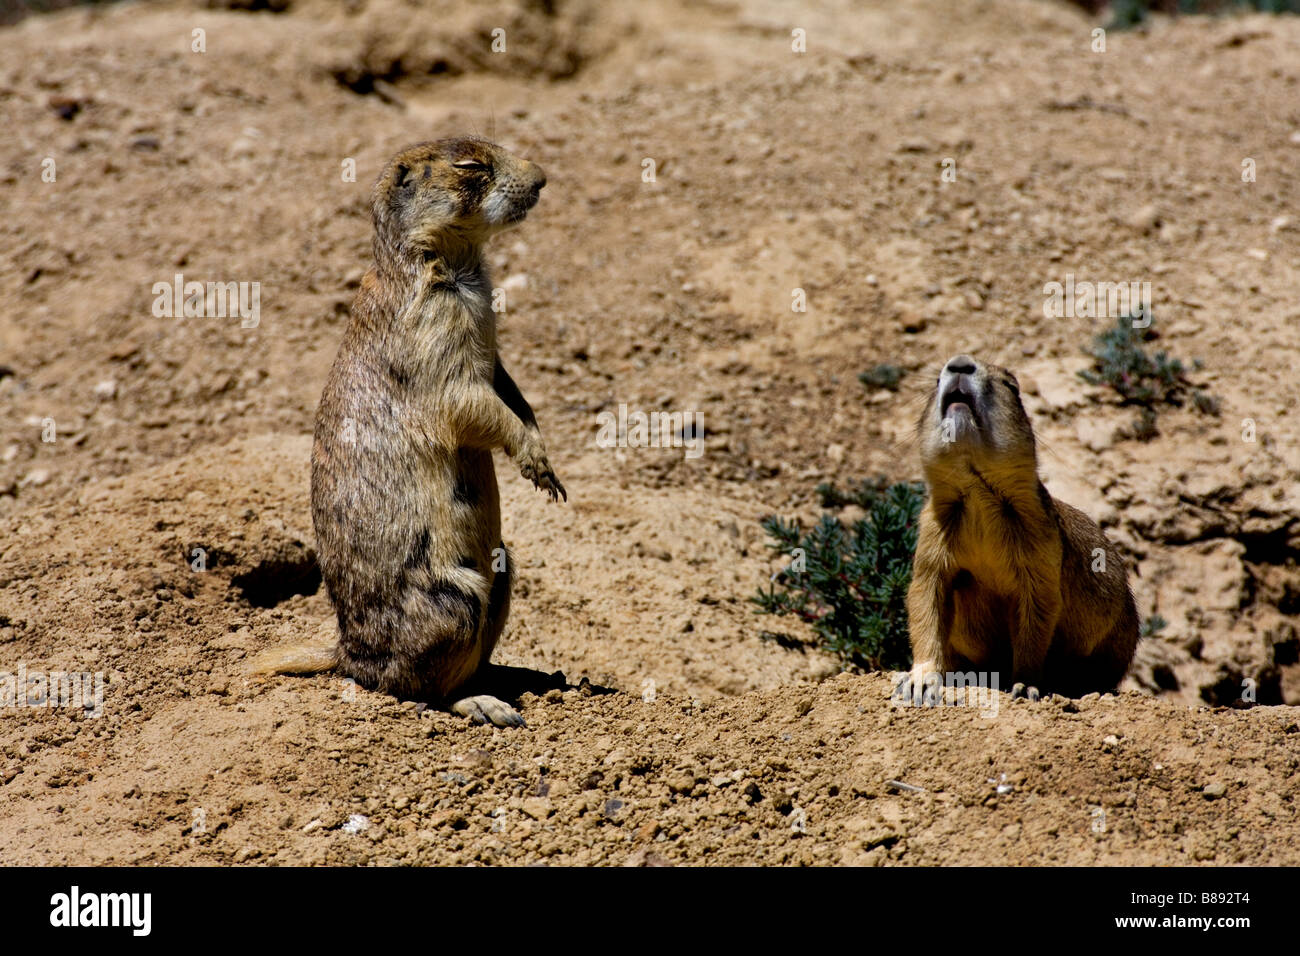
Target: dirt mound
(383,44)
(153,466)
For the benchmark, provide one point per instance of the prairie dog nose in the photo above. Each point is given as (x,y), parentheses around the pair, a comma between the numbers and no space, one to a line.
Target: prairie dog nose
(539,177)
(960,365)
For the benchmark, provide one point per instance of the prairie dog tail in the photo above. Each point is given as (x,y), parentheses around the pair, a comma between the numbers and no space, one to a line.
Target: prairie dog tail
(297,659)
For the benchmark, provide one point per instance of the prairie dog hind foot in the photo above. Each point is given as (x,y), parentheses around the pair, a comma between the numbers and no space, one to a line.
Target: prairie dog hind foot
(486,709)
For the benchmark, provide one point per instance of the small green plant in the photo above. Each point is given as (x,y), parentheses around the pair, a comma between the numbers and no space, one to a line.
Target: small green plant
(882,376)
(1130,13)
(1144,426)
(1121,362)
(1152,626)
(864,494)
(849,581)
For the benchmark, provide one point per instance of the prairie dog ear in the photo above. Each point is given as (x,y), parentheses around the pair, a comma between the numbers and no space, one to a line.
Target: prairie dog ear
(1013,383)
(399,176)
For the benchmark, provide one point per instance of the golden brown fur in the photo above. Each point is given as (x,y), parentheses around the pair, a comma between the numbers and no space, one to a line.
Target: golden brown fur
(404,493)
(1006,578)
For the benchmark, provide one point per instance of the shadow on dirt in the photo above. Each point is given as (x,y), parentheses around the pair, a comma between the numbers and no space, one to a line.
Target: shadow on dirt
(511,683)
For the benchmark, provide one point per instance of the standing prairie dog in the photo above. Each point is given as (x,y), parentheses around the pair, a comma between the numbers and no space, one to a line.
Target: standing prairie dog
(1006,578)
(403,491)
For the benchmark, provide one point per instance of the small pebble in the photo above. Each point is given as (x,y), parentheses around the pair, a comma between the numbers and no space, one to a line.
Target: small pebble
(356,823)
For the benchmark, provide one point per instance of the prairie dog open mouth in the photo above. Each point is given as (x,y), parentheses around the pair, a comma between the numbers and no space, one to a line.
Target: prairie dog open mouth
(958,396)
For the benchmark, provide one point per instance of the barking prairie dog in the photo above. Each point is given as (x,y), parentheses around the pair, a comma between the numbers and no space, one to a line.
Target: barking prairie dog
(1006,578)
(403,490)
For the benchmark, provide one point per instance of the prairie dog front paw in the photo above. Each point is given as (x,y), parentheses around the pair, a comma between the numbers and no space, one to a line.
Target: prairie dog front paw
(534,466)
(922,686)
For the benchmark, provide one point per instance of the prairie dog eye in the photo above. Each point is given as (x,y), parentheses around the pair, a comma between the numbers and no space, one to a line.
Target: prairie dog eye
(473,166)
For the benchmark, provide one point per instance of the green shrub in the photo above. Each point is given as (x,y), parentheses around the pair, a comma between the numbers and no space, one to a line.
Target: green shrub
(1152,626)
(882,376)
(1129,13)
(1121,362)
(849,581)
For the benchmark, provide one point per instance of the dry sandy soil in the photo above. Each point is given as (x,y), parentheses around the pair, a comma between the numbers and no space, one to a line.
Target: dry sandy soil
(675,730)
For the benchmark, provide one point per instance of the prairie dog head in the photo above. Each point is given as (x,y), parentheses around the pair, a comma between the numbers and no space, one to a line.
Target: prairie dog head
(453,192)
(974,418)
